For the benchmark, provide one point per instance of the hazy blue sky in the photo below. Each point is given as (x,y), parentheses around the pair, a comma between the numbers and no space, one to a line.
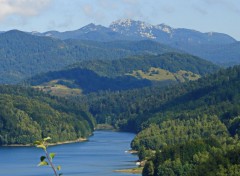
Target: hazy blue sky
(42,15)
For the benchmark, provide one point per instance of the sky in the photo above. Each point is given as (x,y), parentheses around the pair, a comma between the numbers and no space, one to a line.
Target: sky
(65,15)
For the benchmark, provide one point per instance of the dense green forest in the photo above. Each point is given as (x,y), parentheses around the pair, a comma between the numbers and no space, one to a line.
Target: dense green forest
(200,145)
(123,74)
(196,132)
(27,115)
(24,55)
(213,94)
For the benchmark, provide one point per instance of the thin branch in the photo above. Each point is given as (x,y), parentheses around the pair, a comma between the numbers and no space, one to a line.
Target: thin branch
(51,164)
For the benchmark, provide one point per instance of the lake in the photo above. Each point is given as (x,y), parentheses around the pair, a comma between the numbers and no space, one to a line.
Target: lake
(103,153)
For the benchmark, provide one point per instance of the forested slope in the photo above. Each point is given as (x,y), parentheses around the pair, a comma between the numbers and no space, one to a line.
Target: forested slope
(27,115)
(124,74)
(197,132)
(213,94)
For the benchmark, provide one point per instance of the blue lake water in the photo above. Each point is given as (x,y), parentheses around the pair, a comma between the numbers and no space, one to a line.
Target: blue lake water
(103,153)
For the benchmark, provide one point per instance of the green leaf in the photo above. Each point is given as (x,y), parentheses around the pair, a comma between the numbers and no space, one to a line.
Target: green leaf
(37,143)
(52,155)
(59,168)
(42,158)
(43,163)
(47,138)
(41,146)
(60,174)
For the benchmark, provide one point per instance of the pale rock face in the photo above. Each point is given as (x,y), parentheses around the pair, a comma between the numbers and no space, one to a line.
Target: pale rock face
(165,28)
(122,22)
(130,27)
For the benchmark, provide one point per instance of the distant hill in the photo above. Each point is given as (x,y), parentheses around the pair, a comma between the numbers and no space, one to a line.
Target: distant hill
(206,45)
(28,115)
(124,74)
(215,94)
(222,54)
(23,55)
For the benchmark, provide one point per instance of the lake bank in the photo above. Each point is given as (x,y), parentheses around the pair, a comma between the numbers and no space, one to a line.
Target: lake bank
(49,144)
(99,127)
(137,170)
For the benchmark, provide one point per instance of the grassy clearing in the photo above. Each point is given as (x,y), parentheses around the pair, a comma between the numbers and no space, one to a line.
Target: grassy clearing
(158,74)
(54,88)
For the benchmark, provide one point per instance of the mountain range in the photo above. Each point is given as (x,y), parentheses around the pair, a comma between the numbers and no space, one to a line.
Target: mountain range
(128,29)
(206,45)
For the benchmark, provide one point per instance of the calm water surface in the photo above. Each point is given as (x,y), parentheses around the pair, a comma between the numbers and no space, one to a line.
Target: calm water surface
(100,156)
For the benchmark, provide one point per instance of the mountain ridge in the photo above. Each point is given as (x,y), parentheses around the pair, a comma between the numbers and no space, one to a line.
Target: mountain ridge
(206,45)
(209,45)
(146,30)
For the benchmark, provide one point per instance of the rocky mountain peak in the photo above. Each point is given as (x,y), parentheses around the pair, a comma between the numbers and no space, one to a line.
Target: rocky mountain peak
(132,28)
(165,28)
(92,27)
(128,23)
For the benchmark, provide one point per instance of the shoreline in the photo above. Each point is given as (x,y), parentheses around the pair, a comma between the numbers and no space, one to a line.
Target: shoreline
(136,170)
(49,144)
(101,127)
